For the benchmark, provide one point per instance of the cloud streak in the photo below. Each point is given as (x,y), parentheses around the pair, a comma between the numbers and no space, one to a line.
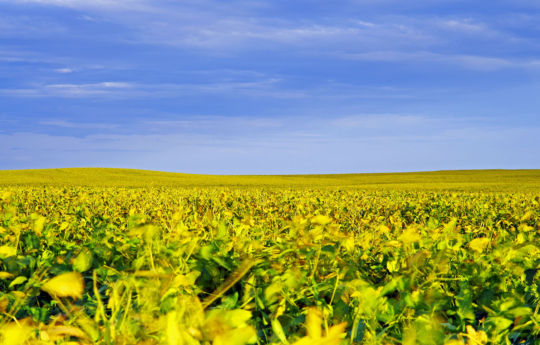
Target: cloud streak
(224,29)
(269,88)
(78,125)
(298,149)
(474,62)
(108,88)
(82,4)
(213,28)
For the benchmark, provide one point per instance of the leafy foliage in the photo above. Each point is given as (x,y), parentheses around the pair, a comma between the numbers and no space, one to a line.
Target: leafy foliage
(279,265)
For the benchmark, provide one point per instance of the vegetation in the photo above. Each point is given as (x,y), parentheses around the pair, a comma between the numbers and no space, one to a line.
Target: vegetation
(121,257)
(459,180)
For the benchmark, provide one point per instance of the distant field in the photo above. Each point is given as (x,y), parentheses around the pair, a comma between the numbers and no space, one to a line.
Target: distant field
(115,256)
(496,180)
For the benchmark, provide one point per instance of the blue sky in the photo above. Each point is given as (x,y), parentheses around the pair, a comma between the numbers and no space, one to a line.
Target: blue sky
(266,87)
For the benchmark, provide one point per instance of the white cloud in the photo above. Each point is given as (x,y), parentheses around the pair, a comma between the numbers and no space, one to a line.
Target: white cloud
(463,25)
(76,90)
(64,70)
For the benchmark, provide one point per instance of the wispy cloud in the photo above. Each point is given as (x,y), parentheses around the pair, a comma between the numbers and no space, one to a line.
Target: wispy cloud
(287,87)
(475,62)
(29,26)
(213,26)
(108,88)
(463,25)
(117,89)
(79,125)
(213,32)
(83,4)
(265,88)
(24,56)
(212,123)
(372,121)
(243,26)
(297,149)
(65,70)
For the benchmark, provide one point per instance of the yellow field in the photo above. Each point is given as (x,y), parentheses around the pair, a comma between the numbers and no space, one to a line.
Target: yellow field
(112,256)
(466,180)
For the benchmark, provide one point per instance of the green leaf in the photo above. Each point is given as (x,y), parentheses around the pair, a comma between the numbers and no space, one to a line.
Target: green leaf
(519,311)
(17,281)
(498,323)
(278,331)
(83,261)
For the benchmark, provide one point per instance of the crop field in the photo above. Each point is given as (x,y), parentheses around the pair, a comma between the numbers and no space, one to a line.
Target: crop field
(109,256)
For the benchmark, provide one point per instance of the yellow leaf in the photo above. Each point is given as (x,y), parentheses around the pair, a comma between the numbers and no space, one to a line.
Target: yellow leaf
(69,284)
(451,226)
(18,294)
(479,244)
(349,244)
(238,336)
(5,275)
(454,342)
(410,235)
(7,251)
(60,332)
(5,195)
(395,244)
(237,317)
(476,337)
(38,225)
(4,303)
(336,332)
(16,333)
(384,229)
(313,323)
(321,220)
(528,215)
(89,326)
(186,279)
(409,335)
(174,336)
(220,324)
(314,336)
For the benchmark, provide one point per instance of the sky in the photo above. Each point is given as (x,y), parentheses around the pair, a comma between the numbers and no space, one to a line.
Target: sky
(270,87)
